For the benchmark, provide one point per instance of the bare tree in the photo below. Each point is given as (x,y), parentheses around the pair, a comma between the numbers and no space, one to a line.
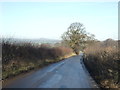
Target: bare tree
(76,37)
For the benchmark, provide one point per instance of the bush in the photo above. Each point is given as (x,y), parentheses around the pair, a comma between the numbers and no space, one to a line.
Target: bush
(102,63)
(24,56)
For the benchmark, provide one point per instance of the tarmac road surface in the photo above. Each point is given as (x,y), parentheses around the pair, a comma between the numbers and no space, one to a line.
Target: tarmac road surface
(69,73)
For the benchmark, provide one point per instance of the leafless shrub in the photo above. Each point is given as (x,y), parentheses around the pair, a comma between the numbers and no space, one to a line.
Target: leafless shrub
(19,57)
(102,63)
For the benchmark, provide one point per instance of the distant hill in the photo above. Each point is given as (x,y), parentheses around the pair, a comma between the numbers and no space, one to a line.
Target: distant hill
(40,40)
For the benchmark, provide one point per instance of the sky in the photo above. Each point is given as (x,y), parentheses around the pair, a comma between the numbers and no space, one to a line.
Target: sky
(35,20)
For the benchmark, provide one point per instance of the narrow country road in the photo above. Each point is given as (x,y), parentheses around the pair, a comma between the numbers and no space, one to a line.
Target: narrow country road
(69,73)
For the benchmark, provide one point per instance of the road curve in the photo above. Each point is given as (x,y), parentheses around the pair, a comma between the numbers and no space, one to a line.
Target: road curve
(69,73)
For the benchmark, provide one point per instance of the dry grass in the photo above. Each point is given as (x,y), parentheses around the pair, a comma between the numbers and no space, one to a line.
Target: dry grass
(22,57)
(102,63)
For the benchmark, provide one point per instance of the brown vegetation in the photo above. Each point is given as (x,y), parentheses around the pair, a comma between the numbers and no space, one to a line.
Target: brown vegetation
(22,57)
(102,61)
